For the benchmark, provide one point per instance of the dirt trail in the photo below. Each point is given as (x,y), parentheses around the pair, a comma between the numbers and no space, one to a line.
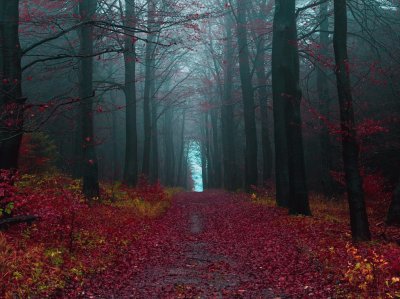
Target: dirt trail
(181,257)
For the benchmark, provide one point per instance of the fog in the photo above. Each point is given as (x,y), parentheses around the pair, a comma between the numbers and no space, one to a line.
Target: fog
(296,98)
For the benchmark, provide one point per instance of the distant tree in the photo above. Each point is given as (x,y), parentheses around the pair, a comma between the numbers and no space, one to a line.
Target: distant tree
(149,77)
(251,172)
(131,162)
(227,109)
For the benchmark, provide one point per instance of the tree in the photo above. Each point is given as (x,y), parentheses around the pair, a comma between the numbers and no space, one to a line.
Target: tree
(350,152)
(131,163)
(263,95)
(289,157)
(324,101)
(87,10)
(11,100)
(227,116)
(149,77)
(251,174)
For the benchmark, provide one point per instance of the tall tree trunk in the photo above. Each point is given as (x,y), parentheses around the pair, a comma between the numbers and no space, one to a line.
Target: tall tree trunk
(288,93)
(263,98)
(216,154)
(169,148)
(358,215)
(131,162)
(324,100)
(87,10)
(182,150)
(393,216)
(11,101)
(210,165)
(279,66)
(204,166)
(149,65)
(115,164)
(154,133)
(248,98)
(227,117)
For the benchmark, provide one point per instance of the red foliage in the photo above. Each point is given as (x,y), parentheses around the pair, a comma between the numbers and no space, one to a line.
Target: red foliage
(70,239)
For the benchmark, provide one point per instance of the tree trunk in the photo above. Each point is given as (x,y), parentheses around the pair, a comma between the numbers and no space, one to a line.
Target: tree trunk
(154,133)
(263,98)
(11,101)
(87,10)
(358,215)
(279,66)
(324,100)
(182,150)
(216,154)
(393,216)
(169,148)
(227,116)
(149,66)
(131,163)
(288,93)
(248,98)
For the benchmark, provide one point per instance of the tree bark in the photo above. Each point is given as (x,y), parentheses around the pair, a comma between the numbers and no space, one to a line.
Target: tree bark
(251,172)
(279,66)
(263,98)
(227,116)
(287,94)
(169,148)
(149,66)
(11,101)
(131,163)
(154,133)
(358,215)
(87,10)
(324,100)
(182,151)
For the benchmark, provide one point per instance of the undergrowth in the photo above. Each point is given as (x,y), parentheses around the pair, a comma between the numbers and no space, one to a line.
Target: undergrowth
(71,239)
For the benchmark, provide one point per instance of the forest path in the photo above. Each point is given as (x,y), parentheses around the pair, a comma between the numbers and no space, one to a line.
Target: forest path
(208,245)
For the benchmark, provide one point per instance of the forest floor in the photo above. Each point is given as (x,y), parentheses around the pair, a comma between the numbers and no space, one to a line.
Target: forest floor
(220,245)
(151,242)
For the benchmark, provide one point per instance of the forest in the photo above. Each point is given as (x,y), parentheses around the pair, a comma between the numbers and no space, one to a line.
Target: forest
(199,149)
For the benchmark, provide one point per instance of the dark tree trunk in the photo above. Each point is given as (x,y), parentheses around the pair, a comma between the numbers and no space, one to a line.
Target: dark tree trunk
(154,133)
(393,216)
(182,151)
(279,66)
(204,166)
(227,116)
(287,95)
(358,215)
(131,163)
(216,154)
(251,173)
(263,98)
(87,10)
(324,101)
(149,72)
(115,164)
(11,101)
(210,166)
(169,148)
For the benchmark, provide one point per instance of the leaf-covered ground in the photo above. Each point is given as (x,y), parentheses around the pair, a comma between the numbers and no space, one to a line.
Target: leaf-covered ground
(220,245)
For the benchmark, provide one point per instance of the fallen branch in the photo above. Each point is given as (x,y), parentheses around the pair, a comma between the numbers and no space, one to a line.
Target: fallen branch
(18,219)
